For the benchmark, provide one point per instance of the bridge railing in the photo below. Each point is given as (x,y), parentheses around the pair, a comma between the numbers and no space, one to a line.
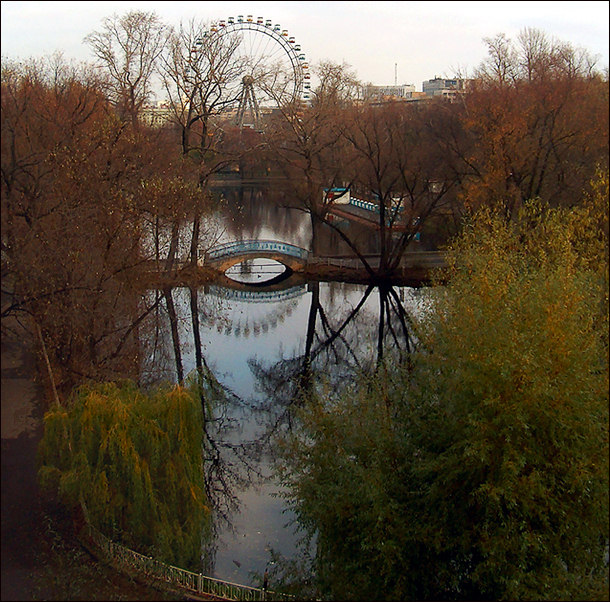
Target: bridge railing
(251,246)
(194,582)
(422,259)
(368,205)
(256,295)
(397,207)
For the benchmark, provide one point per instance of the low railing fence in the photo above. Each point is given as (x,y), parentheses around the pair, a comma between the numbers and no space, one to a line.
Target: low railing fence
(253,246)
(195,582)
(336,262)
(423,259)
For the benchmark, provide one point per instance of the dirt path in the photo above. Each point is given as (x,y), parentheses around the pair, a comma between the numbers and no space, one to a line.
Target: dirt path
(21,431)
(41,557)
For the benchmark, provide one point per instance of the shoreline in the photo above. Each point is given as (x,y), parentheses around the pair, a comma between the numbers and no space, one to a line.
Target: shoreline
(416,276)
(42,558)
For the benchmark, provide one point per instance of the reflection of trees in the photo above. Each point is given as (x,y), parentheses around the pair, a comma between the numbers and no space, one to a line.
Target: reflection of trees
(340,342)
(249,209)
(228,465)
(338,347)
(395,326)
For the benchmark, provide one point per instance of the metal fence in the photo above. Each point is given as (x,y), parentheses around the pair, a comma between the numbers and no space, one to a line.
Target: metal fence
(418,259)
(194,582)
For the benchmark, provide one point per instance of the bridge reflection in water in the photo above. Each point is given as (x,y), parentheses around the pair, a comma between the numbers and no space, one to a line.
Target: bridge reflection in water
(258,294)
(286,295)
(416,266)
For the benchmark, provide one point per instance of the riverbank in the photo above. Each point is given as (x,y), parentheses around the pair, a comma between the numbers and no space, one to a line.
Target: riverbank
(417,274)
(42,558)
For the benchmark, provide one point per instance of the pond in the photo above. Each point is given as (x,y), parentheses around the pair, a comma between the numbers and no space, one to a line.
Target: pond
(259,343)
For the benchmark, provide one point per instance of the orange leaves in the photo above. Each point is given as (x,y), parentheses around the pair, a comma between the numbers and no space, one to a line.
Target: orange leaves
(529,140)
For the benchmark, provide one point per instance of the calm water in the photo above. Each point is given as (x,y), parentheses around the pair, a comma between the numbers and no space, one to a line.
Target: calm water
(256,343)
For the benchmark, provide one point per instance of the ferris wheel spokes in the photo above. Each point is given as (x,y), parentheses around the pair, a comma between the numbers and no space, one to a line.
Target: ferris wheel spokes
(272,70)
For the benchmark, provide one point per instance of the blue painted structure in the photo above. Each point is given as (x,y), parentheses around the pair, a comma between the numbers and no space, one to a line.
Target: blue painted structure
(226,255)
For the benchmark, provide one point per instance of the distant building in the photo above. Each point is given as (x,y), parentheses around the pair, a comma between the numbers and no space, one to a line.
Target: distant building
(418,96)
(381,93)
(339,196)
(446,88)
(157,115)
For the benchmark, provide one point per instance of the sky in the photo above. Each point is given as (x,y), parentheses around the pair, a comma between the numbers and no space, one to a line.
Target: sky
(383,42)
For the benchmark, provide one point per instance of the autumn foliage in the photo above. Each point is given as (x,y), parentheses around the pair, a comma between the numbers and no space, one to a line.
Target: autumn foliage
(537,118)
(480,470)
(78,197)
(133,463)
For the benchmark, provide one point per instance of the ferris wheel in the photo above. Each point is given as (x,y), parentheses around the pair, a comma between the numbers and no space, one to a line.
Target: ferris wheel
(272,69)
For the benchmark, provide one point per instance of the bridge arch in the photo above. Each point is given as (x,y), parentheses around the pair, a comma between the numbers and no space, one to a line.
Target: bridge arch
(223,257)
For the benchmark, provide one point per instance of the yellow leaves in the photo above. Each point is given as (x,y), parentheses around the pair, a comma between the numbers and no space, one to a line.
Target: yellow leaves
(519,317)
(135,458)
(49,477)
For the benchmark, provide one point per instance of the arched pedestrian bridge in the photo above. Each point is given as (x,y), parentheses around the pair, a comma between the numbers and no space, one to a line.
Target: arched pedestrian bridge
(227,255)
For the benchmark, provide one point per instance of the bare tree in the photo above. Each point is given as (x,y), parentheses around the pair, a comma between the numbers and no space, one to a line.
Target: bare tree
(499,64)
(128,48)
(309,149)
(528,138)
(338,84)
(398,166)
(197,70)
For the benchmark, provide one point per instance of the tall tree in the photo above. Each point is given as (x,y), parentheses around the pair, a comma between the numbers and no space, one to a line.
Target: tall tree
(537,112)
(74,197)
(306,144)
(127,47)
(197,68)
(400,167)
(481,470)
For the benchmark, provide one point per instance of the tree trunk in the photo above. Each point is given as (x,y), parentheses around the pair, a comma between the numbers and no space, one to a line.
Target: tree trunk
(173,321)
(171,255)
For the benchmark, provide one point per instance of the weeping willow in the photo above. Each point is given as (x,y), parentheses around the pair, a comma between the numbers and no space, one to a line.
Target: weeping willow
(135,461)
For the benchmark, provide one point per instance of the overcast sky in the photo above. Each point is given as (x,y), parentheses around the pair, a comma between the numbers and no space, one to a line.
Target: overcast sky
(412,41)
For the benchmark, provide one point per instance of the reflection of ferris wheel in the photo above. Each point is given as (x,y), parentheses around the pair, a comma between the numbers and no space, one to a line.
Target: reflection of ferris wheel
(272,68)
